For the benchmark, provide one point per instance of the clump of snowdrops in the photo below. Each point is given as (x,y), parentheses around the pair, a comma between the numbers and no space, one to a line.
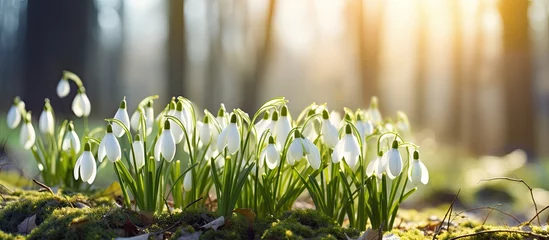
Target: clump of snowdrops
(360,167)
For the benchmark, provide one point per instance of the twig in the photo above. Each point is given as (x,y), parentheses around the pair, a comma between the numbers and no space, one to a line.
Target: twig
(193,202)
(439,228)
(501,231)
(537,215)
(43,186)
(489,208)
(520,181)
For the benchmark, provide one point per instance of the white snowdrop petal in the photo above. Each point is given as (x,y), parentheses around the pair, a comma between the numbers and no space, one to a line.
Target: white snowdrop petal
(424,173)
(14,117)
(222,140)
(77,106)
(295,151)
(329,133)
(134,120)
(74,141)
(87,166)
(46,122)
(282,128)
(314,158)
(233,138)
(122,115)
(101,153)
(139,153)
(167,148)
(273,157)
(394,163)
(63,88)
(27,135)
(372,167)
(76,170)
(157,149)
(86,105)
(149,119)
(112,148)
(188,181)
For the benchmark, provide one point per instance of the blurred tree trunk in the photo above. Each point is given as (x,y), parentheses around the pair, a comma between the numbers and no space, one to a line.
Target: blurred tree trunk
(456,99)
(421,56)
(254,81)
(55,29)
(177,49)
(517,75)
(215,56)
(368,39)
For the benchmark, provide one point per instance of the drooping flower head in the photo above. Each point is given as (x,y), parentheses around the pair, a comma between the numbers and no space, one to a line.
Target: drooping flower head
(229,137)
(263,124)
(149,117)
(122,115)
(27,135)
(71,140)
(330,134)
(394,161)
(377,166)
(111,147)
(81,105)
(347,148)
(46,123)
(283,126)
(176,111)
(63,88)
(14,114)
(309,130)
(86,167)
(363,126)
(165,145)
(270,155)
(373,111)
(138,151)
(418,171)
(221,116)
(302,147)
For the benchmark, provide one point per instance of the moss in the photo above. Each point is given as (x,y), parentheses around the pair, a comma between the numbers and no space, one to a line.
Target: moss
(236,227)
(8,236)
(73,223)
(307,224)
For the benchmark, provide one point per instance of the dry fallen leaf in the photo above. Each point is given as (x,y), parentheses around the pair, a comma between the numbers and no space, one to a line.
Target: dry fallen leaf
(27,225)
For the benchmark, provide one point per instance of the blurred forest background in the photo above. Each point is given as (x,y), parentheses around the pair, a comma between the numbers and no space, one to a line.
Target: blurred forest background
(471,73)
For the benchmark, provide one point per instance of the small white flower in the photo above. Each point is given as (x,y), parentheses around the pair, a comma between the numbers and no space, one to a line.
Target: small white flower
(81,104)
(222,117)
(63,88)
(46,121)
(177,132)
(149,117)
(111,145)
(330,135)
(263,124)
(347,148)
(135,119)
(122,115)
(364,127)
(71,140)
(309,131)
(139,152)
(394,161)
(377,166)
(418,172)
(188,181)
(302,147)
(270,155)
(207,132)
(101,151)
(229,137)
(283,127)
(165,144)
(14,114)
(373,111)
(27,135)
(85,165)
(335,118)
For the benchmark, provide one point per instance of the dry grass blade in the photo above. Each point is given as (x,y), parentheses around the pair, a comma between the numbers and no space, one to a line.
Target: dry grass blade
(43,186)
(532,234)
(488,208)
(439,228)
(520,181)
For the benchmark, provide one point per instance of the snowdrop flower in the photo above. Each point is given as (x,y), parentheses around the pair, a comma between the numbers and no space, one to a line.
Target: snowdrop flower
(283,127)
(63,88)
(71,140)
(139,152)
(373,111)
(206,131)
(160,117)
(85,166)
(418,172)
(177,131)
(14,114)
(229,137)
(165,145)
(111,146)
(270,155)
(149,117)
(302,147)
(186,115)
(221,116)
(122,115)
(377,166)
(309,131)
(46,121)
(335,118)
(188,181)
(81,105)
(330,134)
(135,119)
(364,127)
(347,148)
(263,124)
(394,161)
(27,135)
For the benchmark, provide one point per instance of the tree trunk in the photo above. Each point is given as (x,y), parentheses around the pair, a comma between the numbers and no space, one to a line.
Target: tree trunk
(456,101)
(517,74)
(177,49)
(421,56)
